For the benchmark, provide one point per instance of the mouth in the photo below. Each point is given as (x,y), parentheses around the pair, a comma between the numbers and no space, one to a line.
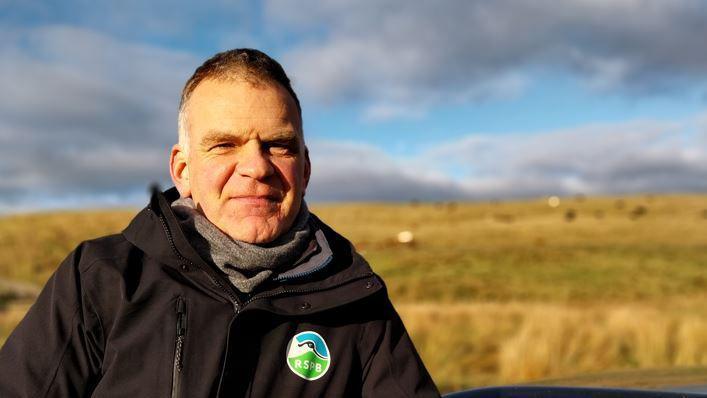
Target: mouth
(257,200)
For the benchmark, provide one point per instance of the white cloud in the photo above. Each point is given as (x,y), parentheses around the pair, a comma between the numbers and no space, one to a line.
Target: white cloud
(82,113)
(412,54)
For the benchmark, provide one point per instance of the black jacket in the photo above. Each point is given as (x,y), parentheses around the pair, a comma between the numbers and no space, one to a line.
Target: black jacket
(140,314)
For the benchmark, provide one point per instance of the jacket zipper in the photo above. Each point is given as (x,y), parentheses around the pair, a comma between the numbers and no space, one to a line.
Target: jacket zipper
(178,364)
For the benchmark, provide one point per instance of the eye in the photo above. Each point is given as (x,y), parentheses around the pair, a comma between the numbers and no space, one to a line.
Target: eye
(223,145)
(280,148)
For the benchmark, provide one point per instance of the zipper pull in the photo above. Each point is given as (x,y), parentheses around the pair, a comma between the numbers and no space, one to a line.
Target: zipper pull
(181,317)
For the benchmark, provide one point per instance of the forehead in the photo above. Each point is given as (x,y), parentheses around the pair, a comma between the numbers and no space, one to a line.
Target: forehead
(239,105)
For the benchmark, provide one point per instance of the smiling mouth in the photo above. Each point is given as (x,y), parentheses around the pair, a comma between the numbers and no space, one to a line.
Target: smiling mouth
(257,200)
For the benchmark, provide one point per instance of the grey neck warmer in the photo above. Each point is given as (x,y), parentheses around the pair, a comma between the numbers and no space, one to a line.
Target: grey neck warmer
(246,265)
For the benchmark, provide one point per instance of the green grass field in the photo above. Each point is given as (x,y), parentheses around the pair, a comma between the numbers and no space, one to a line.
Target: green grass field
(491,293)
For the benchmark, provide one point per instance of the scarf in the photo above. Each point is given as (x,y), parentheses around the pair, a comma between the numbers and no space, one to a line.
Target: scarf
(246,265)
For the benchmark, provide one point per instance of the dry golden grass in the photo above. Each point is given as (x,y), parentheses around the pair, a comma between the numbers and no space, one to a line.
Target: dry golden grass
(501,343)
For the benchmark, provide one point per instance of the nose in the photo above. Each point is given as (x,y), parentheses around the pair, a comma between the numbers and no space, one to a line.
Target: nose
(252,162)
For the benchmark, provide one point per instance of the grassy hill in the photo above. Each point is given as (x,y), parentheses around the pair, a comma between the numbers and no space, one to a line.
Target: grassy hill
(491,292)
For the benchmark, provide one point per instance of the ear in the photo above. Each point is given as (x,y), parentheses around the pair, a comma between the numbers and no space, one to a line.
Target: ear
(307,167)
(179,170)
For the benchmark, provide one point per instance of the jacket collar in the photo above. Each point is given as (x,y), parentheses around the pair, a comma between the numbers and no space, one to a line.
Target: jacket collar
(348,277)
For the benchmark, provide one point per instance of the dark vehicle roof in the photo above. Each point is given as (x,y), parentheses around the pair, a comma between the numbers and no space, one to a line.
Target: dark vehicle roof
(668,383)
(674,379)
(566,392)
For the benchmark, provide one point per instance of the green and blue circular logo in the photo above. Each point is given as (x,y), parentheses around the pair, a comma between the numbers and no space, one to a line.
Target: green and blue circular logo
(308,355)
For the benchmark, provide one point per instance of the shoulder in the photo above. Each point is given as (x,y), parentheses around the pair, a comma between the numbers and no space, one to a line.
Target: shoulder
(110,249)
(108,272)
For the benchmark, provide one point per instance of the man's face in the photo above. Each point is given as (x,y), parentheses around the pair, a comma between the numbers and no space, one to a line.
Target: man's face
(247,166)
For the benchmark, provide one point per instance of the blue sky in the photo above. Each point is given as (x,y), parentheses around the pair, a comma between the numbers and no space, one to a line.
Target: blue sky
(455,100)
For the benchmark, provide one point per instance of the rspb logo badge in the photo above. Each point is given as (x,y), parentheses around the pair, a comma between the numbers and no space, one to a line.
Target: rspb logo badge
(308,355)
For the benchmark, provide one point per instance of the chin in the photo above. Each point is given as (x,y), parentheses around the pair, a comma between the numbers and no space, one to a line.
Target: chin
(254,234)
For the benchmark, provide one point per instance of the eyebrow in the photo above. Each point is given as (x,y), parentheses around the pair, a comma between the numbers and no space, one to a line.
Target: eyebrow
(214,137)
(283,135)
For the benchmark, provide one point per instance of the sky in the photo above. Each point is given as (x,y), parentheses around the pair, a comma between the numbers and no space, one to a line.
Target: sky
(402,100)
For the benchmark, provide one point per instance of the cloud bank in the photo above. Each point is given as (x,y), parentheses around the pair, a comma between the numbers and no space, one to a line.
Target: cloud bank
(400,54)
(630,157)
(83,113)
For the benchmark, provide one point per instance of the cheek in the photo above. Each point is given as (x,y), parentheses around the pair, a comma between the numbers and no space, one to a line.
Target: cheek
(213,175)
(291,171)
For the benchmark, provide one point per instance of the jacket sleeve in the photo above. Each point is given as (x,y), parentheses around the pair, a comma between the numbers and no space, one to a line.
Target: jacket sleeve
(52,351)
(393,367)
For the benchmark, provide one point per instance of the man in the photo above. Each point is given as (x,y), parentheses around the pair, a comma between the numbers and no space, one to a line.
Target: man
(225,286)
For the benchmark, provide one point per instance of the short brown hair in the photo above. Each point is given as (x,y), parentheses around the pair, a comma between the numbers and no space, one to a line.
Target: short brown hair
(247,63)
